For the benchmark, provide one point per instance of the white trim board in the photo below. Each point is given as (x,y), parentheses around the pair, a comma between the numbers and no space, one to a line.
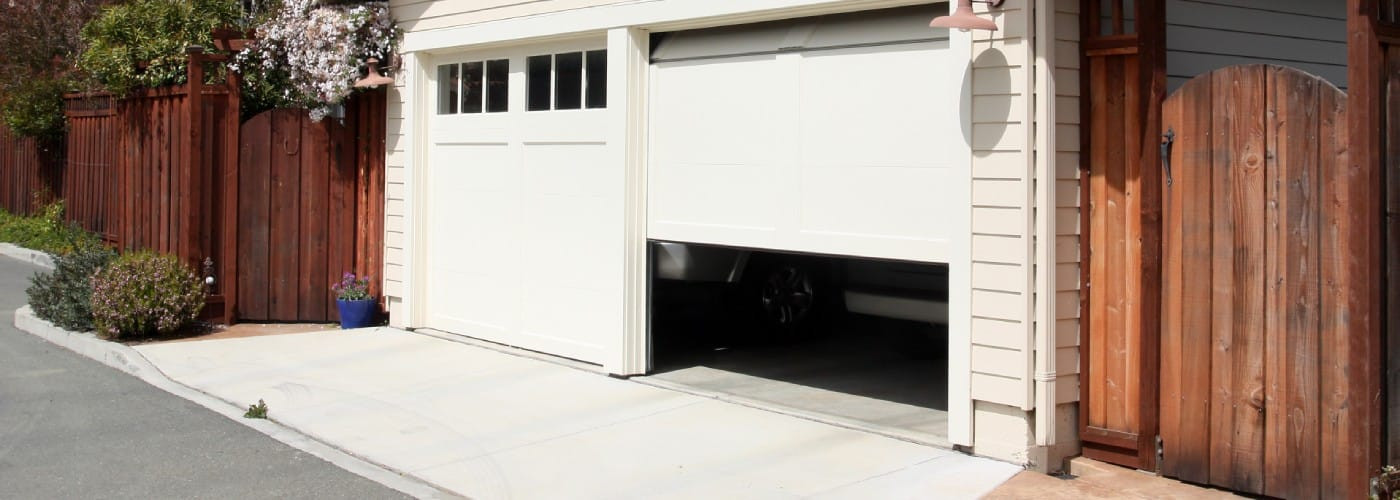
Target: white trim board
(652,15)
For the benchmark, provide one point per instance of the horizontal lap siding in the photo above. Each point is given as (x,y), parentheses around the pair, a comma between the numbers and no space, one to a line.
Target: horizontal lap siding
(395,211)
(1067,196)
(1001,187)
(1204,35)
(420,15)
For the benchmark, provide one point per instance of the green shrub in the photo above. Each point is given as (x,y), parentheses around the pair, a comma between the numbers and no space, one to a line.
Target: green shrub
(34,108)
(141,43)
(64,296)
(46,232)
(142,294)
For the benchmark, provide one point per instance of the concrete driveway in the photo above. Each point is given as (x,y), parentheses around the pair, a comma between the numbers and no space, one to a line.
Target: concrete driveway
(488,424)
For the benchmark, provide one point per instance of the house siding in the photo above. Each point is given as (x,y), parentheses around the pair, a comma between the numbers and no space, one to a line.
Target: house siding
(1067,232)
(1203,35)
(1003,239)
(1001,236)
(395,203)
(1067,198)
(421,15)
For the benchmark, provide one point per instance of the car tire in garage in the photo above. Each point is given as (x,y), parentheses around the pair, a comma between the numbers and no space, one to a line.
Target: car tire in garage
(785,299)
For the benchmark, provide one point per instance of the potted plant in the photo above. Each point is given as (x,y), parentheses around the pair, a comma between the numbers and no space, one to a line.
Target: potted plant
(354,301)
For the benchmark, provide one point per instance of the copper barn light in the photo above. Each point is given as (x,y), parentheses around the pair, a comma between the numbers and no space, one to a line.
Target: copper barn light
(373,79)
(964,19)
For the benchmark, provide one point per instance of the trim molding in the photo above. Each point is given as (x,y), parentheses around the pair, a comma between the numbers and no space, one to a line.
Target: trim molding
(652,15)
(627,64)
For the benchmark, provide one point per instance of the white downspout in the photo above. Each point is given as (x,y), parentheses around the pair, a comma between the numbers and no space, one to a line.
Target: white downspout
(1045,203)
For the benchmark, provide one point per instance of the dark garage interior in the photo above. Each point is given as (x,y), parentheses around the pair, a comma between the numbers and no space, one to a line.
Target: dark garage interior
(856,342)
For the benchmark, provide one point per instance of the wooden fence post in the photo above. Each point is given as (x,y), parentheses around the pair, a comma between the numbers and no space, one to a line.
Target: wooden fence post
(1353,379)
(188,245)
(228,278)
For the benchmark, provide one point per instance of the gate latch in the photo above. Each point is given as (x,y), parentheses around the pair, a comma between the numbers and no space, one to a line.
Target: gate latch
(1167,140)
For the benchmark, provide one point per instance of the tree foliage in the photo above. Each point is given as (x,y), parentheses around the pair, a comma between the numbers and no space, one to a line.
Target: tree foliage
(41,40)
(142,43)
(34,108)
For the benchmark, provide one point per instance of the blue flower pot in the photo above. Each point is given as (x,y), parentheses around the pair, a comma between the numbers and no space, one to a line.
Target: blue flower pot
(356,313)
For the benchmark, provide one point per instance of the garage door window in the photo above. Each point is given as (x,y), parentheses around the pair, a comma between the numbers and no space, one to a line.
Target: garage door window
(571,80)
(474,87)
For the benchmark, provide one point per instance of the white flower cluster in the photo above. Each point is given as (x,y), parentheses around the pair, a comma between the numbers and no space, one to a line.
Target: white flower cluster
(321,48)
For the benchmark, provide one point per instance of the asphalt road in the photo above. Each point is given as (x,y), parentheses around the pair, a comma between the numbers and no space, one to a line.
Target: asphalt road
(73,428)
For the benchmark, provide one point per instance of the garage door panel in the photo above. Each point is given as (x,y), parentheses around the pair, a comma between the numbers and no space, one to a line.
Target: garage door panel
(835,200)
(495,129)
(564,127)
(577,170)
(713,163)
(469,289)
(566,247)
(474,168)
(725,109)
(480,304)
(872,106)
(578,322)
(832,151)
(738,197)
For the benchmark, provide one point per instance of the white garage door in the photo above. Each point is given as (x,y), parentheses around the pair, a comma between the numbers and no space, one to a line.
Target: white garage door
(828,135)
(524,217)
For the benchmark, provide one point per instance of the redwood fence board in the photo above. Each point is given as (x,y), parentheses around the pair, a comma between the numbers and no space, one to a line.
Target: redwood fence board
(32,174)
(89,189)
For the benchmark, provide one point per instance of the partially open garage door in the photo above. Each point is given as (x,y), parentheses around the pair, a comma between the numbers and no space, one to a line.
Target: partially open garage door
(828,135)
(525,217)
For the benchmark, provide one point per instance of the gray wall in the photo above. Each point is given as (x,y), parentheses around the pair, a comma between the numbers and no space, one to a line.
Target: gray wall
(1203,35)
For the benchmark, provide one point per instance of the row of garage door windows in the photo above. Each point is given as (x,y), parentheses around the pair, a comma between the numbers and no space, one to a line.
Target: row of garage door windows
(571,80)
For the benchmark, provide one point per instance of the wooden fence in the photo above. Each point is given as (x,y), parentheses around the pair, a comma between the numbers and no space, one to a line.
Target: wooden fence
(31,172)
(89,188)
(1287,400)
(160,170)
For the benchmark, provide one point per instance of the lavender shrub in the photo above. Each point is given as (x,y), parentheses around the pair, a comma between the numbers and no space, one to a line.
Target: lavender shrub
(142,294)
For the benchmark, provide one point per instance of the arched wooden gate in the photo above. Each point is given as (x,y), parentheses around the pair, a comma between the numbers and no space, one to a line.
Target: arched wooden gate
(310,207)
(1250,369)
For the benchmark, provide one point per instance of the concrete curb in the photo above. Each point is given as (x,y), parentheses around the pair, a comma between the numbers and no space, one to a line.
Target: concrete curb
(34,257)
(129,361)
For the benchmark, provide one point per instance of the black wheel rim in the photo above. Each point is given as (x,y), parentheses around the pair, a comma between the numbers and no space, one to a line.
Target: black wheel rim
(787,295)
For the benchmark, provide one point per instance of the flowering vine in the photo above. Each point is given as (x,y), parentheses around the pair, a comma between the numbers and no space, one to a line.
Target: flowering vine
(310,55)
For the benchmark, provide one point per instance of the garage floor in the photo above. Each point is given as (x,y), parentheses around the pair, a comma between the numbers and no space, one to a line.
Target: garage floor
(883,375)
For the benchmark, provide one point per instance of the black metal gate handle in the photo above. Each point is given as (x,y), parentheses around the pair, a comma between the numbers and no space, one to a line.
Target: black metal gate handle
(1167,140)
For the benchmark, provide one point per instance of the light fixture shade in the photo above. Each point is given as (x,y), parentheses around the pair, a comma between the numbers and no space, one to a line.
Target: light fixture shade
(373,79)
(964,19)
